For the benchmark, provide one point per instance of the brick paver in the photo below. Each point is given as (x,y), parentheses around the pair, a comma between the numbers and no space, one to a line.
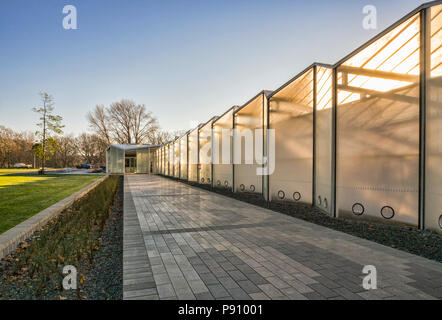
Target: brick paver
(185,243)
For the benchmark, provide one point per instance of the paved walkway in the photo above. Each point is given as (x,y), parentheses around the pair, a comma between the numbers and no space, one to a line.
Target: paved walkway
(185,243)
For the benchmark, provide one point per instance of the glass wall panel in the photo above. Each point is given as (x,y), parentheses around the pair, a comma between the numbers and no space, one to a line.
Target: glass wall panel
(268,147)
(193,156)
(107,161)
(169,160)
(323,146)
(222,153)
(291,116)
(152,162)
(433,206)
(161,161)
(116,160)
(205,153)
(247,120)
(143,161)
(164,163)
(183,157)
(378,128)
(176,158)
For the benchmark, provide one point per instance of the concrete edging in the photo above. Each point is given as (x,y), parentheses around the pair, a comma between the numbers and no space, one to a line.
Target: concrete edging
(10,239)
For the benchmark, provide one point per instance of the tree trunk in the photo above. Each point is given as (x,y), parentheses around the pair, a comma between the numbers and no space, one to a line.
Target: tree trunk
(44,140)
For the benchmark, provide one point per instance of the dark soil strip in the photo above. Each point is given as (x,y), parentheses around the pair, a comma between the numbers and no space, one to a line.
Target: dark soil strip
(99,263)
(423,243)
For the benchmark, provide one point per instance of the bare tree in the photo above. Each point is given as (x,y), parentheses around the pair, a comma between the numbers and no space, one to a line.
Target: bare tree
(6,146)
(86,147)
(123,122)
(143,124)
(160,137)
(91,148)
(67,151)
(99,123)
(120,115)
(15,147)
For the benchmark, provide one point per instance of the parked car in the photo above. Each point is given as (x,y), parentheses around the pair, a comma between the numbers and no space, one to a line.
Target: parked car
(84,166)
(22,166)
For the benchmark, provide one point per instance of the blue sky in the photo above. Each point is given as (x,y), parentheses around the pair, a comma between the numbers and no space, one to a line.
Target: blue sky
(185,60)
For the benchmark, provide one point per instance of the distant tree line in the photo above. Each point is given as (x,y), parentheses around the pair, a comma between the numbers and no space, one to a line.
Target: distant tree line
(122,122)
(70,150)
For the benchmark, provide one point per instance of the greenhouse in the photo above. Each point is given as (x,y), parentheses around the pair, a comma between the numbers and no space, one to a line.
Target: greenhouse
(360,139)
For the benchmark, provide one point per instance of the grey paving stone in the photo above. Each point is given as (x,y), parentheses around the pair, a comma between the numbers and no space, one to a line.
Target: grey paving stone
(259,296)
(198,286)
(204,296)
(239,294)
(237,275)
(139,286)
(139,293)
(228,283)
(256,279)
(187,243)
(248,286)
(314,296)
(323,291)
(218,291)
(347,294)
(166,291)
(209,278)
(161,278)
(270,290)
(185,294)
(149,297)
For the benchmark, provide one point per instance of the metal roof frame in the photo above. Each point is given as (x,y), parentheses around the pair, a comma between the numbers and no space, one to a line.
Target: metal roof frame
(387,30)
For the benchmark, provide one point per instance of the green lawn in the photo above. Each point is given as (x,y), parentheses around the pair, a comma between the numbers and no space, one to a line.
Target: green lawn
(22,194)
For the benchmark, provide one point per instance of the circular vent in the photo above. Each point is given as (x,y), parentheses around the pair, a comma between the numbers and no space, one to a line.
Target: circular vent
(325,203)
(252,188)
(202,180)
(387,212)
(296,196)
(218,183)
(281,194)
(226,183)
(319,200)
(242,187)
(208,180)
(358,209)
